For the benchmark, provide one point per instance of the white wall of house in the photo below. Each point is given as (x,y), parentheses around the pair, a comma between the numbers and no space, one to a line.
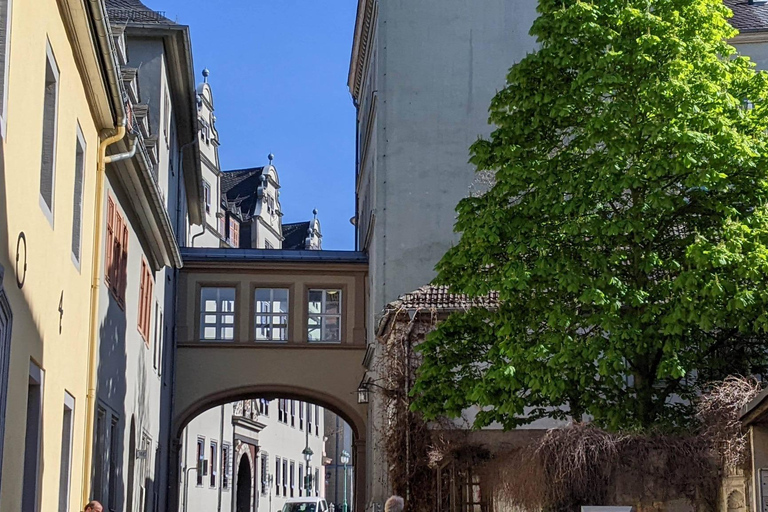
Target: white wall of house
(266,230)
(286,440)
(133,392)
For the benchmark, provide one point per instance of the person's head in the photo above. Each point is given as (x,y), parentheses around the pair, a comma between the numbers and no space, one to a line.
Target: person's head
(93,506)
(394,504)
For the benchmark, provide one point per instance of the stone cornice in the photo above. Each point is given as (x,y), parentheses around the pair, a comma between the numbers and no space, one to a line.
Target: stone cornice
(360,46)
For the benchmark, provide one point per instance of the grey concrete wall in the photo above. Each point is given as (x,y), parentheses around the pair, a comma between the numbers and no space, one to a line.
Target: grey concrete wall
(435,66)
(758,52)
(440,62)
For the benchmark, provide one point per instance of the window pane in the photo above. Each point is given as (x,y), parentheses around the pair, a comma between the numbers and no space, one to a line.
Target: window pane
(210,319)
(315,301)
(209,333)
(228,333)
(332,301)
(262,294)
(228,319)
(313,332)
(228,306)
(331,329)
(263,306)
(281,295)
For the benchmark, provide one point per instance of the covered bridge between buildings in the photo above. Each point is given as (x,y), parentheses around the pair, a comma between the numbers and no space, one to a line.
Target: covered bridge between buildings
(272,324)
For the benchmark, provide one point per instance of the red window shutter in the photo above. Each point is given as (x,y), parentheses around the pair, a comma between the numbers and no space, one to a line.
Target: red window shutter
(108,257)
(142,298)
(123,261)
(148,315)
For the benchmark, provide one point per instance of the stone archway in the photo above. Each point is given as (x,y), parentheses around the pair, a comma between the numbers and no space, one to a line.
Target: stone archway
(344,406)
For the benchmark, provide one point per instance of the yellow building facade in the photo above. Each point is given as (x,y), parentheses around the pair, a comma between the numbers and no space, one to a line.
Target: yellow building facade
(57,107)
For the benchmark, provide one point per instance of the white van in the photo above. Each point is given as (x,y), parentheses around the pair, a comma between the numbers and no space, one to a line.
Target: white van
(305,505)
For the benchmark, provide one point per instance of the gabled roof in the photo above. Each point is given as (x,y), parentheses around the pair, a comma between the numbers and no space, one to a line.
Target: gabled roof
(439,298)
(748,17)
(240,190)
(295,236)
(133,11)
(434,300)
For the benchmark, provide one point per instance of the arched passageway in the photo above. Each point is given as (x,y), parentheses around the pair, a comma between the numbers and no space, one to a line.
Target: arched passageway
(319,359)
(347,410)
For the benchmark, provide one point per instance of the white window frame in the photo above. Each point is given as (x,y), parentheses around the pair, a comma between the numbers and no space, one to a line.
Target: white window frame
(278,475)
(51,61)
(219,325)
(226,456)
(292,478)
(6,67)
(200,462)
(81,148)
(213,448)
(207,196)
(272,316)
(323,315)
(264,470)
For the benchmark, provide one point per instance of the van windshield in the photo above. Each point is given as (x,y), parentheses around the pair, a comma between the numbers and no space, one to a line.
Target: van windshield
(300,507)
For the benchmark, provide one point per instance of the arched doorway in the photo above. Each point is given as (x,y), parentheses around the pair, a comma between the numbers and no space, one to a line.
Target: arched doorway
(243,491)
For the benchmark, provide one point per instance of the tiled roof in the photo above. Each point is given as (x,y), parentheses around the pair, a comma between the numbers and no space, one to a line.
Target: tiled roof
(295,236)
(239,188)
(748,17)
(133,11)
(439,298)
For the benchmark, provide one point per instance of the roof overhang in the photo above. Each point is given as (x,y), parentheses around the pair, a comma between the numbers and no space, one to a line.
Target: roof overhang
(178,49)
(756,411)
(87,28)
(249,259)
(361,44)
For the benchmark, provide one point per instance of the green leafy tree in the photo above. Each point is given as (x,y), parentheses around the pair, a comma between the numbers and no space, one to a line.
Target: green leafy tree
(625,231)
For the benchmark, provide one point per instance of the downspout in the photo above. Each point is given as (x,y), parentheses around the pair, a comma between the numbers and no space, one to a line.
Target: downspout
(202,230)
(93,341)
(122,156)
(105,47)
(179,225)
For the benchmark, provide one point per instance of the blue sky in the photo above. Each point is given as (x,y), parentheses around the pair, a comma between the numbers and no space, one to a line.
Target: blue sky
(279,78)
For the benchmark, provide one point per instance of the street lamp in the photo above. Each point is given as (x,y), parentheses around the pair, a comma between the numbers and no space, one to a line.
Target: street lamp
(307,453)
(345,461)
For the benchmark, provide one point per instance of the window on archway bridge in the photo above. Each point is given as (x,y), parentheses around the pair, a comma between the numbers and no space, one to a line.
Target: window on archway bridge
(217,314)
(324,321)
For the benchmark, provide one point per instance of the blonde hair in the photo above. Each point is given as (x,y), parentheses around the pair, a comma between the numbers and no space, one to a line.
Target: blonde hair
(394,504)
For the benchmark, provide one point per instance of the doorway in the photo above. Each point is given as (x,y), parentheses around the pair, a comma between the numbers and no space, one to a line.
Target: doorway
(243,492)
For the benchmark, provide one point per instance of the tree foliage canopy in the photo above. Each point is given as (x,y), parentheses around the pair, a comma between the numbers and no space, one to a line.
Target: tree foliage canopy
(626,230)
